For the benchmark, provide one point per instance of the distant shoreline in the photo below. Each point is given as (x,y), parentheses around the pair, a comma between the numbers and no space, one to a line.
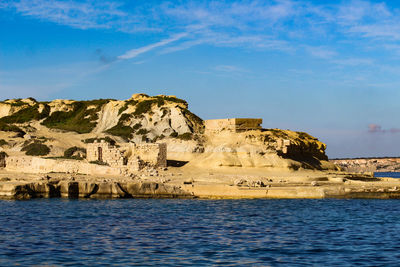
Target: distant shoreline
(365,158)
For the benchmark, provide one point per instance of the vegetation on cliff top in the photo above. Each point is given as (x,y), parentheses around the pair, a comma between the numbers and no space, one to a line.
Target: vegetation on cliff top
(27,114)
(82,116)
(80,119)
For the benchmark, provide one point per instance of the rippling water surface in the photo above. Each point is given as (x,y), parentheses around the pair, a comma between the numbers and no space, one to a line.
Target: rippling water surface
(387,174)
(200,232)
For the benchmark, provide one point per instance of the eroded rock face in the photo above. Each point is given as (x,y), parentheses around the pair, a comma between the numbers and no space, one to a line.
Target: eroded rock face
(103,190)
(148,117)
(264,148)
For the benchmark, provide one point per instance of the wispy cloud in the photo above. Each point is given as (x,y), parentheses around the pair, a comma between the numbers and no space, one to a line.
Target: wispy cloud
(288,26)
(230,69)
(353,61)
(137,51)
(253,24)
(321,52)
(81,14)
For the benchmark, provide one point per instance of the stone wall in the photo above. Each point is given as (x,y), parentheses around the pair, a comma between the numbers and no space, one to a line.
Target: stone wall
(104,152)
(232,125)
(134,156)
(27,164)
(153,154)
(3,156)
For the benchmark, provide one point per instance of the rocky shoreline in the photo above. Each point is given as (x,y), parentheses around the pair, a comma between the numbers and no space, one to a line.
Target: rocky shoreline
(214,186)
(105,190)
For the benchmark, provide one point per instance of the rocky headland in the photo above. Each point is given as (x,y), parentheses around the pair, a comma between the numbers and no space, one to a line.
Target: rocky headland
(44,154)
(386,164)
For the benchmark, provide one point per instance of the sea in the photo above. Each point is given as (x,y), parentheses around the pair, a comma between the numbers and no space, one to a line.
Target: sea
(183,232)
(387,174)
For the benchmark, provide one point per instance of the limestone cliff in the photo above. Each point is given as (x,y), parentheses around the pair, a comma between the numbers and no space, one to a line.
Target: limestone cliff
(62,124)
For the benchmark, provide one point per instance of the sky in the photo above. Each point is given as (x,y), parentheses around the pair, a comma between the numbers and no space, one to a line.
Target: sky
(329,68)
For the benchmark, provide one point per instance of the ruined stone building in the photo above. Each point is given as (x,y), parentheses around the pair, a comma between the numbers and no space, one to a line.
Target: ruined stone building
(237,125)
(232,125)
(132,156)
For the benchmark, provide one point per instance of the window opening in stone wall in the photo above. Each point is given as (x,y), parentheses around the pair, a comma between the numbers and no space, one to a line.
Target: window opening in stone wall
(100,154)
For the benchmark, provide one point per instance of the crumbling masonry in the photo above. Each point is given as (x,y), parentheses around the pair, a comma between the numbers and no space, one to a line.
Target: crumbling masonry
(232,125)
(132,156)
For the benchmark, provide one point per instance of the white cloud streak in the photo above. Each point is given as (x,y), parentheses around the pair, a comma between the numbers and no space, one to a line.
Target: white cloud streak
(80,14)
(229,69)
(137,51)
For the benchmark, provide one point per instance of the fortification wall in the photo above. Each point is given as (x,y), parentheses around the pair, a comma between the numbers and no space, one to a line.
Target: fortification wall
(153,154)
(104,152)
(232,125)
(133,156)
(27,164)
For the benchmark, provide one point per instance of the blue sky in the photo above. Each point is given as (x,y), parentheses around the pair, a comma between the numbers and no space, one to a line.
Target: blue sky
(330,68)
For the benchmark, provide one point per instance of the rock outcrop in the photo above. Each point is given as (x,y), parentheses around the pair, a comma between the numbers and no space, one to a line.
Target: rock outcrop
(50,128)
(105,190)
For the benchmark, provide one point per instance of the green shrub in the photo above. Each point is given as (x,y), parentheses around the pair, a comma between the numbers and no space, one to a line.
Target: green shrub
(121,130)
(164,112)
(36,149)
(303,135)
(174,134)
(127,104)
(80,119)
(174,99)
(124,117)
(3,142)
(192,117)
(144,107)
(136,126)
(27,114)
(18,103)
(185,136)
(10,128)
(142,131)
(70,152)
(160,101)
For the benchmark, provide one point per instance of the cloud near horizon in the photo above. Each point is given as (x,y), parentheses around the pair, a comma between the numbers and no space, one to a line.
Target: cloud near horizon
(376,128)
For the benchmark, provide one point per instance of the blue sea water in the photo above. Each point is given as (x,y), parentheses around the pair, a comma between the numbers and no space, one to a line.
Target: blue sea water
(61,232)
(387,174)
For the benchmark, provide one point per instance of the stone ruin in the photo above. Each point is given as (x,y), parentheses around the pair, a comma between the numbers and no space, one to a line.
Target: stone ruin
(132,156)
(282,145)
(237,125)
(3,156)
(232,125)
(111,160)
